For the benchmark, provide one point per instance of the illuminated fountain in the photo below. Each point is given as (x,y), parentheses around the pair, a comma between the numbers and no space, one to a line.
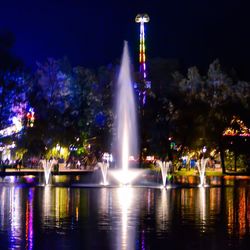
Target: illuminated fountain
(201,165)
(104,169)
(47,166)
(165,167)
(125,138)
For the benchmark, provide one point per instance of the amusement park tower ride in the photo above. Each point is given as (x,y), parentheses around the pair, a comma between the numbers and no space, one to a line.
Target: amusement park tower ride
(143,18)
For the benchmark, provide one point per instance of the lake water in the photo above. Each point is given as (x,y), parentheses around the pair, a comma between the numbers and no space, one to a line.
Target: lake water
(139,217)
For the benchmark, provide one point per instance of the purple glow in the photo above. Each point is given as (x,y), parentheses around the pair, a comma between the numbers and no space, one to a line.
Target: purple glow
(29,221)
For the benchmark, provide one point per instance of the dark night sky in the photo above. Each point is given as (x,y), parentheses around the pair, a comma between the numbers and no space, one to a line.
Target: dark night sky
(91,33)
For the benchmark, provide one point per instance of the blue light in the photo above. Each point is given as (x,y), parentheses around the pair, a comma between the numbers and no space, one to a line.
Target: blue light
(100,119)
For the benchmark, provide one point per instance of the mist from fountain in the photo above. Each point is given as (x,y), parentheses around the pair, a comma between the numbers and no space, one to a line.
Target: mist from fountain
(201,165)
(126,132)
(104,169)
(165,167)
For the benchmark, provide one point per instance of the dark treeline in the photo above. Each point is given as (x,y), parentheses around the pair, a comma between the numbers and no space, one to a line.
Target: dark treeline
(73,105)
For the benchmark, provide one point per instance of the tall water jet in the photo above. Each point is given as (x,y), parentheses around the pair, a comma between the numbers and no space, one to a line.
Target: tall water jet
(126,134)
(201,165)
(165,167)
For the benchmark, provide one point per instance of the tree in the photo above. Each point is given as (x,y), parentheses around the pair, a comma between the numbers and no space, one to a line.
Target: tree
(14,85)
(52,99)
(159,110)
(207,105)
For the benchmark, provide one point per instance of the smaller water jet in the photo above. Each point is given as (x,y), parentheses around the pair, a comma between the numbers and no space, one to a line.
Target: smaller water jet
(201,165)
(165,169)
(47,166)
(104,168)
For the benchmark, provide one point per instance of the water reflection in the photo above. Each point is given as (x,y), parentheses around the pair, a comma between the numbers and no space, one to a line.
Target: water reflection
(163,211)
(202,207)
(29,220)
(15,217)
(123,218)
(125,200)
(238,211)
(57,205)
(46,204)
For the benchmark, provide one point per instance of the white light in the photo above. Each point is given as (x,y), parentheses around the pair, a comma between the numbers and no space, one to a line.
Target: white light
(125,177)
(142,18)
(150,158)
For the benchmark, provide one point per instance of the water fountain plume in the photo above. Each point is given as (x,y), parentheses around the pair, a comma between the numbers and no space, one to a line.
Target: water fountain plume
(47,166)
(104,169)
(201,165)
(165,167)
(126,139)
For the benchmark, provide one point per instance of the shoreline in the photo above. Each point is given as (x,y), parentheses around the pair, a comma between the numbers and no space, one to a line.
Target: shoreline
(63,171)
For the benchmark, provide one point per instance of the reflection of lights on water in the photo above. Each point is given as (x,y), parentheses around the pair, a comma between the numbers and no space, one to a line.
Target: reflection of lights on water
(17,213)
(125,196)
(62,178)
(57,207)
(237,212)
(187,197)
(62,197)
(77,213)
(215,199)
(29,178)
(229,210)
(77,203)
(163,210)
(143,244)
(2,203)
(203,207)
(12,179)
(56,204)
(15,222)
(105,205)
(46,202)
(242,212)
(29,221)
